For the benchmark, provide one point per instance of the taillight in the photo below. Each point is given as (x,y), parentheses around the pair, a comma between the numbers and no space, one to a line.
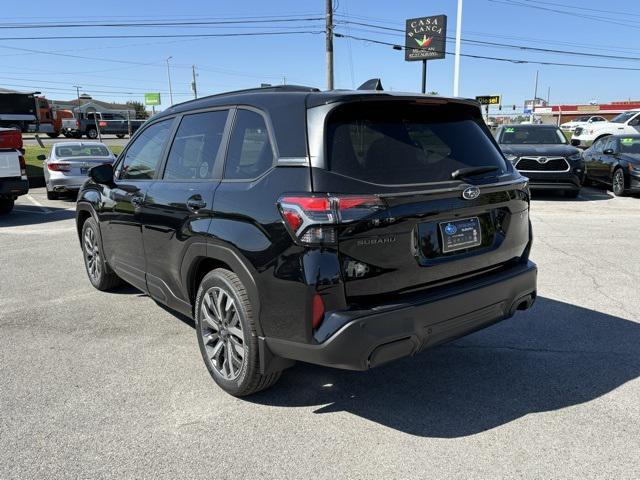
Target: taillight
(59,167)
(312,218)
(77,123)
(23,166)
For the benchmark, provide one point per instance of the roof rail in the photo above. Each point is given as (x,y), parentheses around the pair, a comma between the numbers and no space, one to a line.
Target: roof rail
(272,88)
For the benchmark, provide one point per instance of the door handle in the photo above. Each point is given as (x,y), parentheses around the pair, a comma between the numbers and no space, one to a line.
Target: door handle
(195,203)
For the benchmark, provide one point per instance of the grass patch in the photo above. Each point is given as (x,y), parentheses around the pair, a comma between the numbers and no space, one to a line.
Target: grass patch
(568,135)
(34,166)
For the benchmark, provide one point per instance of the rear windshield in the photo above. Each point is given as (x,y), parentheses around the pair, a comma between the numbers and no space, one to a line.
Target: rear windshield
(532,135)
(82,151)
(630,145)
(395,143)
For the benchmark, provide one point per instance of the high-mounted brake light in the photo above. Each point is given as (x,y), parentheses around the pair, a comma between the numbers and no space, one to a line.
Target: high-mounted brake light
(312,218)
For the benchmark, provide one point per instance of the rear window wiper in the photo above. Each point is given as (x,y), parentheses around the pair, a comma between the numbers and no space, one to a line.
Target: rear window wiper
(470,171)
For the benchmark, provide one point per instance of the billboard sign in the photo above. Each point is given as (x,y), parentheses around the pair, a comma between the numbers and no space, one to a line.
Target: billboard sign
(488,99)
(152,99)
(425,38)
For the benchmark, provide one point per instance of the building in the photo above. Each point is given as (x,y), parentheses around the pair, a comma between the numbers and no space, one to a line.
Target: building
(93,106)
(557,114)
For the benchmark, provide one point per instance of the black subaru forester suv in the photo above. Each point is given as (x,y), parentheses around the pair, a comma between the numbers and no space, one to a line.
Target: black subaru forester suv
(341,228)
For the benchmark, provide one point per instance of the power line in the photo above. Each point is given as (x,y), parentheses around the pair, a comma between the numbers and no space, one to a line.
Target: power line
(507,45)
(499,59)
(177,35)
(155,24)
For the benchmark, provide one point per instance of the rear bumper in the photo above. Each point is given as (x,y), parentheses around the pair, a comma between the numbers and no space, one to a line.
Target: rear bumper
(13,187)
(555,181)
(381,334)
(65,184)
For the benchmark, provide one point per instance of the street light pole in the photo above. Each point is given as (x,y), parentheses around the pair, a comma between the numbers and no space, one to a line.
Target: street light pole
(169,77)
(456,72)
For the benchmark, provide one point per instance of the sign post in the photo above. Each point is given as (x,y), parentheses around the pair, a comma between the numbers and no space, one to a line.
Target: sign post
(152,99)
(425,39)
(487,100)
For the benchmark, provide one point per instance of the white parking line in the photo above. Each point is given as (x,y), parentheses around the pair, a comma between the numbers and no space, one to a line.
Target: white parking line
(37,204)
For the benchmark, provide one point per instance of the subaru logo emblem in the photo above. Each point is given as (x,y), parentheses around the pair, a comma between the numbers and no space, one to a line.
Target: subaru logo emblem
(543,160)
(450,229)
(471,193)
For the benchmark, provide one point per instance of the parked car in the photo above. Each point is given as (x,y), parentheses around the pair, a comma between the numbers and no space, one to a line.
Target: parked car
(614,161)
(341,228)
(107,123)
(582,121)
(627,123)
(69,163)
(542,154)
(13,169)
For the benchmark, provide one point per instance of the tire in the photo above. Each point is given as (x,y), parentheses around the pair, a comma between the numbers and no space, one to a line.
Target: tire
(52,195)
(92,133)
(6,205)
(53,135)
(617,183)
(120,135)
(228,341)
(571,193)
(100,274)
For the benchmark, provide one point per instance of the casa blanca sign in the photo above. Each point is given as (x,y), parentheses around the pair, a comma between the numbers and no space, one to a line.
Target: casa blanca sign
(425,38)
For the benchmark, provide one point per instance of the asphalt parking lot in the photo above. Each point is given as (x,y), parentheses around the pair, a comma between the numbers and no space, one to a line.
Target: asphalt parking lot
(96,385)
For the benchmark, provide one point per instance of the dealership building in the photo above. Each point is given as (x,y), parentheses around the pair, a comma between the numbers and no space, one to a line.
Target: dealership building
(557,114)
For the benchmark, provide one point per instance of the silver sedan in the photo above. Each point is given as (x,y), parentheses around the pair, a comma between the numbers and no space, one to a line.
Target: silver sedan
(67,167)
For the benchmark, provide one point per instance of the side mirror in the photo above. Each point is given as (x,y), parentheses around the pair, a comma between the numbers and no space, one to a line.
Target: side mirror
(41,157)
(102,174)
(609,151)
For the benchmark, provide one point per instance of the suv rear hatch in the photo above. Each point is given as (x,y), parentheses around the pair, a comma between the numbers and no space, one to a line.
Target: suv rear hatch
(412,227)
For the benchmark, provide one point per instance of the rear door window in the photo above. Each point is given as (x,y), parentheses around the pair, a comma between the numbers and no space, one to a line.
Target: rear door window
(250,153)
(398,143)
(196,145)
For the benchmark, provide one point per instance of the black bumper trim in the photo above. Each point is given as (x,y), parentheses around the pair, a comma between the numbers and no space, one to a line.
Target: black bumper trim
(377,337)
(13,187)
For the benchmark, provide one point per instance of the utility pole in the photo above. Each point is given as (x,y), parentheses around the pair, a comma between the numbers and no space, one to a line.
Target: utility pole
(169,77)
(456,71)
(78,95)
(329,47)
(549,95)
(193,83)
(535,95)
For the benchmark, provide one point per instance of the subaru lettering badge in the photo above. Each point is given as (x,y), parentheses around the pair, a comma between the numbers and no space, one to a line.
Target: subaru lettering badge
(450,229)
(471,193)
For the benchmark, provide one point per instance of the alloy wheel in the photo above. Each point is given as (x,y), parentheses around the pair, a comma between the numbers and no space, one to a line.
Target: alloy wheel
(618,182)
(92,255)
(222,333)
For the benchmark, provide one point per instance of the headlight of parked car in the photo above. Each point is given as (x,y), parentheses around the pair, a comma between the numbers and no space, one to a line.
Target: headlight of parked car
(511,157)
(576,157)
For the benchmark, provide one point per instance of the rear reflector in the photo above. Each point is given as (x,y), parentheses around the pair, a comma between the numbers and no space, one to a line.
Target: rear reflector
(317,313)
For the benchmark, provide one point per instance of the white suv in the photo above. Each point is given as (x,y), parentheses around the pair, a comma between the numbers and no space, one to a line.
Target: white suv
(627,123)
(583,121)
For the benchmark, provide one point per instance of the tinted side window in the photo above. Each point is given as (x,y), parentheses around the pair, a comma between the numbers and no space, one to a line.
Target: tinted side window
(610,143)
(250,152)
(142,157)
(597,147)
(195,146)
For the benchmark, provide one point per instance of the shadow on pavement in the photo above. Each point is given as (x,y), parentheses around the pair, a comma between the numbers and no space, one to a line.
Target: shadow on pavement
(554,356)
(23,215)
(587,194)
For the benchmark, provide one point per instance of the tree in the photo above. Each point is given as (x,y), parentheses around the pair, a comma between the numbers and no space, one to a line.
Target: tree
(141,111)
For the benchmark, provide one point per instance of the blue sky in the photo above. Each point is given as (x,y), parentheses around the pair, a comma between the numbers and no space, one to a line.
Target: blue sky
(115,66)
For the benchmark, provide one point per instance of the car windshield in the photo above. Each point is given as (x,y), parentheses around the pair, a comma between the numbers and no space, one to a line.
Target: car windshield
(532,135)
(395,143)
(64,151)
(623,117)
(582,119)
(630,145)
